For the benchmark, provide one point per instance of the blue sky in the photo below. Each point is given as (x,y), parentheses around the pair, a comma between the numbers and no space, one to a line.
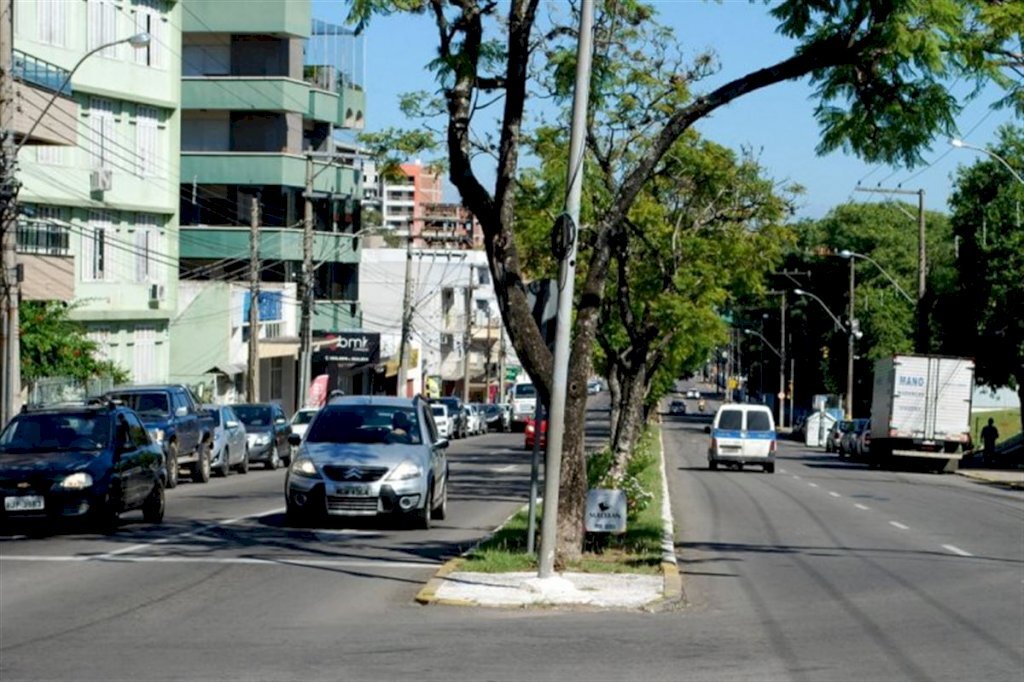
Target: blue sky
(776,122)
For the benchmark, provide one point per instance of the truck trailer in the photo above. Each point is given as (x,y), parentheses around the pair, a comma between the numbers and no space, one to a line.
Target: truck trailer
(921,408)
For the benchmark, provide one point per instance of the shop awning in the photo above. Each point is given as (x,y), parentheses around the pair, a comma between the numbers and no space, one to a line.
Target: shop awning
(227,368)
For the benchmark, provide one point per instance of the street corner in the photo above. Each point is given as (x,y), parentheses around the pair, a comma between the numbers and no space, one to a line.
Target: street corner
(428,593)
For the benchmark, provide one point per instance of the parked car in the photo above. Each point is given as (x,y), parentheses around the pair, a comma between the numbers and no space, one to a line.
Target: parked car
(175,419)
(267,429)
(862,446)
(594,386)
(496,418)
(677,407)
(442,420)
(370,455)
(835,434)
(530,434)
(300,421)
(89,462)
(848,441)
(230,449)
(742,434)
(459,425)
(474,420)
(693,393)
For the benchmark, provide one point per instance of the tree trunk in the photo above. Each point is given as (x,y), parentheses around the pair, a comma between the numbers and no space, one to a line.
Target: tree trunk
(630,419)
(572,491)
(1020,395)
(614,393)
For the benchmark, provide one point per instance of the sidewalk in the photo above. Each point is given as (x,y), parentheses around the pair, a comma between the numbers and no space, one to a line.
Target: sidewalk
(1012,478)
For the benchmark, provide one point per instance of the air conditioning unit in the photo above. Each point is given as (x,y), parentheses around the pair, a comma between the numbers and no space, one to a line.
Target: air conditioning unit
(101,180)
(157,293)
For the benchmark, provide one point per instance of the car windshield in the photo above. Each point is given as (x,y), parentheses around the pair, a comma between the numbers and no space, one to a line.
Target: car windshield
(147,405)
(254,415)
(303,417)
(40,433)
(383,424)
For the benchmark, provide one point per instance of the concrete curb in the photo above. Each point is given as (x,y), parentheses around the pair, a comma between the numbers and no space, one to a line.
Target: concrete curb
(982,476)
(428,593)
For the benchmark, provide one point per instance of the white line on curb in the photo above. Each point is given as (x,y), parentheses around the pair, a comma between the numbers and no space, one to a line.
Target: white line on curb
(956,550)
(668,536)
(897,524)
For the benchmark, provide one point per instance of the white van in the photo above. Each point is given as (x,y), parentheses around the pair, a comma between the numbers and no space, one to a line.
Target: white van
(742,434)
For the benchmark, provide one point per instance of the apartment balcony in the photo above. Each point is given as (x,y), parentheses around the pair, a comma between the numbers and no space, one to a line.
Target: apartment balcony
(336,316)
(242,93)
(35,83)
(265,168)
(276,243)
(44,254)
(275,17)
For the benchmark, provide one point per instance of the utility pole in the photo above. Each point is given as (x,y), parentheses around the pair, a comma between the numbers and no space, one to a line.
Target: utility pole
(467,337)
(923,342)
(782,357)
(403,344)
(252,384)
(306,295)
(487,364)
(849,346)
(10,294)
(499,397)
(567,277)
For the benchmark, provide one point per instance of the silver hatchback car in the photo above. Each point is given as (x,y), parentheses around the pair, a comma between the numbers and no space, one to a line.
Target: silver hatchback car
(367,456)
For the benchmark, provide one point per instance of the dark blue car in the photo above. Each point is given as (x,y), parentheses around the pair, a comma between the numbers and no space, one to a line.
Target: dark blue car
(88,462)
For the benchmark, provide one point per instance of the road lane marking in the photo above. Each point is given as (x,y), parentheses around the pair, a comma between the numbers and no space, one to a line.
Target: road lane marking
(834,494)
(783,471)
(813,485)
(858,505)
(330,563)
(506,469)
(796,477)
(956,550)
(897,524)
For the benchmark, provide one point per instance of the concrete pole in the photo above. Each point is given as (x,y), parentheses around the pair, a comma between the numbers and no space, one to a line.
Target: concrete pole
(252,384)
(567,277)
(468,337)
(403,344)
(923,335)
(782,365)
(306,295)
(10,294)
(849,346)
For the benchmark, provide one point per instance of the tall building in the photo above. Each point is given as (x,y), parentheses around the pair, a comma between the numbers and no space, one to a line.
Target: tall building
(98,205)
(265,88)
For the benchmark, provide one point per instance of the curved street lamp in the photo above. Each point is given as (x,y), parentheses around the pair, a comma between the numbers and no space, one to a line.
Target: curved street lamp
(852,333)
(754,332)
(960,144)
(839,324)
(846,253)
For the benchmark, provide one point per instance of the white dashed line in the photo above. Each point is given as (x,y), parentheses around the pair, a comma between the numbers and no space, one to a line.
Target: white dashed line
(783,471)
(861,506)
(504,470)
(813,485)
(796,477)
(834,494)
(956,550)
(897,524)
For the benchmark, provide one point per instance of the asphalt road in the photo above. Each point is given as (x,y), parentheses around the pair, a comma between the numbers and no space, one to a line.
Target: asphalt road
(821,571)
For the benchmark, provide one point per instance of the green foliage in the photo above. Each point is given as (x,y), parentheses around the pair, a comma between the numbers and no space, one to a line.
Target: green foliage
(54,345)
(639,494)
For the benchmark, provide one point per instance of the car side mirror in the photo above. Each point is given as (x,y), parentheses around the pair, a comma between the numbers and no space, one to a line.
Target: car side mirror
(442,443)
(294,439)
(707,429)
(231,424)
(280,420)
(181,412)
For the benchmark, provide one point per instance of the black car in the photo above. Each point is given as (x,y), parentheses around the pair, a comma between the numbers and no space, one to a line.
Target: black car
(88,462)
(267,429)
(677,407)
(496,418)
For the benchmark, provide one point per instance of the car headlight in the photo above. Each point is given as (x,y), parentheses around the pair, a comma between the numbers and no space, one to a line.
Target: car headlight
(261,439)
(157,435)
(405,471)
(76,481)
(303,466)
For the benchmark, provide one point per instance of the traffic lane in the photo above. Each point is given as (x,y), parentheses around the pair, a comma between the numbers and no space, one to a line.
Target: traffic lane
(960,515)
(835,590)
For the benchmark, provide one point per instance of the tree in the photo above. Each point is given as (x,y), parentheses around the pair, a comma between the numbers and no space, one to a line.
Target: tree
(989,302)
(879,68)
(54,345)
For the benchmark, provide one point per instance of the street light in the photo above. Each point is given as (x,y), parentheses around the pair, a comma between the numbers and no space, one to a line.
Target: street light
(846,253)
(960,144)
(10,342)
(754,332)
(839,324)
(852,333)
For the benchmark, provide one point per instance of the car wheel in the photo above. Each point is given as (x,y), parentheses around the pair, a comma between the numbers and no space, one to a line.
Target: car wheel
(172,464)
(105,517)
(225,465)
(274,461)
(440,513)
(712,464)
(201,468)
(739,466)
(423,516)
(243,466)
(153,507)
(769,468)
(295,515)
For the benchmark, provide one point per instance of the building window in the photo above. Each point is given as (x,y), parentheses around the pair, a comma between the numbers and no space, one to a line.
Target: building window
(95,255)
(50,154)
(144,358)
(149,18)
(101,130)
(148,248)
(276,378)
(102,26)
(147,122)
(52,21)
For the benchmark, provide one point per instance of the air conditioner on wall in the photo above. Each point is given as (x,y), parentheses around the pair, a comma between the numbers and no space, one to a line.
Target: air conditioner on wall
(157,292)
(100,180)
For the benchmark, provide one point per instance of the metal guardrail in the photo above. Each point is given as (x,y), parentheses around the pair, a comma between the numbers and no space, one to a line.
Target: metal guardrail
(41,73)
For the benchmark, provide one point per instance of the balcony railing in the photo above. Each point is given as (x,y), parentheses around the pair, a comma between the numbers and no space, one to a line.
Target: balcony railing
(43,237)
(43,74)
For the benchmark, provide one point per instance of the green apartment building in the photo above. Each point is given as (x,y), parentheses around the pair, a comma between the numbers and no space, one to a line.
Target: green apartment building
(98,205)
(263,93)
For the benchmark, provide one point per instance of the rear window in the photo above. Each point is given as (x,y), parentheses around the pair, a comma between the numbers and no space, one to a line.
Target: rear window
(146,405)
(759,421)
(731,420)
(524,391)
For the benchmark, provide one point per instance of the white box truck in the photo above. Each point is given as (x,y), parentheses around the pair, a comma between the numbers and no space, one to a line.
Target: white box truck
(921,407)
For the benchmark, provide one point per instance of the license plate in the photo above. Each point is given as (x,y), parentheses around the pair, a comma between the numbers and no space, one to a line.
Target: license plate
(24,503)
(353,491)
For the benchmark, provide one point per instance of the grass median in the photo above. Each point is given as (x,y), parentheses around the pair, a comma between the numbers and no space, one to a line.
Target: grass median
(638,550)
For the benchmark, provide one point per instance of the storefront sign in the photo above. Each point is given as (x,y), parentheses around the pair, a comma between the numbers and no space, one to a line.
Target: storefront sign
(362,347)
